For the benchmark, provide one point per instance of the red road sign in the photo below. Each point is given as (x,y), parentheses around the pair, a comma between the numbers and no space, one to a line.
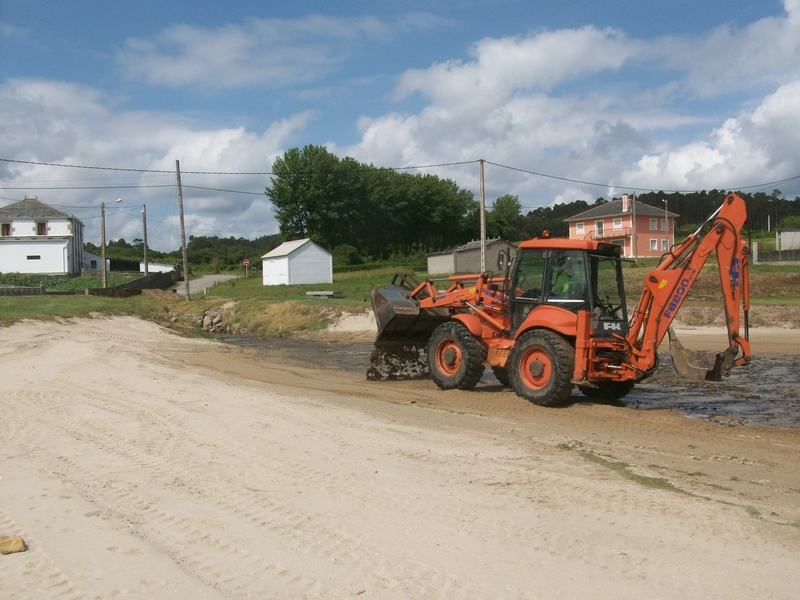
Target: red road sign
(246,262)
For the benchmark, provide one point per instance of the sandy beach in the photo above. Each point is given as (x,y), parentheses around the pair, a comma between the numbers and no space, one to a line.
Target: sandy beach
(137,463)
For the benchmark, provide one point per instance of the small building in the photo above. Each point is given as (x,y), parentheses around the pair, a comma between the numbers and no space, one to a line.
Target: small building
(36,238)
(653,232)
(467,258)
(787,238)
(93,262)
(297,262)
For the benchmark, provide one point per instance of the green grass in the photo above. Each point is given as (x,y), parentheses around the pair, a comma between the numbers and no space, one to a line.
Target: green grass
(624,471)
(354,286)
(16,308)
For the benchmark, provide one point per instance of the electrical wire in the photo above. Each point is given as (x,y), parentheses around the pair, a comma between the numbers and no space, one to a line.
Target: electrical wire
(368,169)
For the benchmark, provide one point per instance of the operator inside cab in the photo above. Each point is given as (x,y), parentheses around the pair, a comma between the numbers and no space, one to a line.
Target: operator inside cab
(570,277)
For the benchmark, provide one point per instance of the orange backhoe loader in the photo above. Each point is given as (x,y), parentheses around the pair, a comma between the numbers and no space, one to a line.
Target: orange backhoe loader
(558,318)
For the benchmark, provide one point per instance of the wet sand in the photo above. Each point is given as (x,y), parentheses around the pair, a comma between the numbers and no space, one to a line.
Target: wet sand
(137,463)
(765,393)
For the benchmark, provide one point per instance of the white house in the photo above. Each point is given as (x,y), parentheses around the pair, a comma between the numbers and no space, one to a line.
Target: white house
(298,261)
(38,239)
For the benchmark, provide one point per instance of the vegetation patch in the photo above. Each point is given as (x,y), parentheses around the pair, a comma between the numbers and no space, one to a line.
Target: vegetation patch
(625,471)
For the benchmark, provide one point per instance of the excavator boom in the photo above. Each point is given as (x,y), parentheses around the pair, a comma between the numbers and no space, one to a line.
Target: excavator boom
(668,285)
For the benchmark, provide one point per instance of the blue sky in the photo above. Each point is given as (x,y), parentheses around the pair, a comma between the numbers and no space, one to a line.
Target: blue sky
(606,97)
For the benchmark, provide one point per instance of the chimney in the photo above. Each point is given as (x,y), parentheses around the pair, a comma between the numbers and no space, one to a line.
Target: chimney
(624,203)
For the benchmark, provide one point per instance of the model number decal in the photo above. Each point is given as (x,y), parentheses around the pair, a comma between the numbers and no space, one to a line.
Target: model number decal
(683,287)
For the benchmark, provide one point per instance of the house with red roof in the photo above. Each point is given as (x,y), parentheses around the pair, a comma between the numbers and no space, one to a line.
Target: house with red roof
(642,230)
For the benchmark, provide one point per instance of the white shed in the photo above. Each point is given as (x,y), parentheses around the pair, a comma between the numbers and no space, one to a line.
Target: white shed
(298,261)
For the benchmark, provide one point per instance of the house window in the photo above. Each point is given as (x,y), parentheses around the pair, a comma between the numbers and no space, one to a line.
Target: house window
(664,246)
(598,227)
(579,228)
(653,224)
(93,265)
(617,223)
(34,257)
(41,228)
(664,225)
(6,228)
(654,245)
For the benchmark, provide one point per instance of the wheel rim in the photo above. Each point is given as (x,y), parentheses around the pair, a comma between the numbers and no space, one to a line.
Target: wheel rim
(535,368)
(448,357)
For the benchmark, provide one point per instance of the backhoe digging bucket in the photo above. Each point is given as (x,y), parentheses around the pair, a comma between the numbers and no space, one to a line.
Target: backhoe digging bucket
(698,365)
(403,333)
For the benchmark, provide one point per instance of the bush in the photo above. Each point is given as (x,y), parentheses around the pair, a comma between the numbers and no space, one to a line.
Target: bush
(345,255)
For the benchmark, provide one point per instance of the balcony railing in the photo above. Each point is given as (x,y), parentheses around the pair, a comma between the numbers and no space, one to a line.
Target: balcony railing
(608,234)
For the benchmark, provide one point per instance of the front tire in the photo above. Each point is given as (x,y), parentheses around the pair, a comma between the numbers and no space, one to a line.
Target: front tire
(541,366)
(455,357)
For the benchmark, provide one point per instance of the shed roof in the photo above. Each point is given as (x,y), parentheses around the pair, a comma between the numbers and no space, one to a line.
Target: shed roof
(614,209)
(286,248)
(32,208)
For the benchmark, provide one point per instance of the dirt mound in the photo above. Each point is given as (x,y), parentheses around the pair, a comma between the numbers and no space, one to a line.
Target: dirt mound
(760,316)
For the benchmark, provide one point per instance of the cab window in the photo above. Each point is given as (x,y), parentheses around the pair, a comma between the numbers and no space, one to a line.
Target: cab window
(526,285)
(565,283)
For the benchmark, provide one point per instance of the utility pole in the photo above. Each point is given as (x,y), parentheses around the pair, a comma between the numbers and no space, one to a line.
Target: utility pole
(666,224)
(103,244)
(483,222)
(144,229)
(633,213)
(183,230)
(104,276)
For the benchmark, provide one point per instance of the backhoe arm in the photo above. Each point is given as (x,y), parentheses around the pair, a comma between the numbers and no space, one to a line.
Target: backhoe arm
(667,286)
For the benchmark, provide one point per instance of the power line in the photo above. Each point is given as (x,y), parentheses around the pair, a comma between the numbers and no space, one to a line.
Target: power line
(633,188)
(370,169)
(197,187)
(88,187)
(132,170)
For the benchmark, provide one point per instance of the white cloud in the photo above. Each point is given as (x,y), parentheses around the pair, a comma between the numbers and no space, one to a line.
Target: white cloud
(523,102)
(273,52)
(754,147)
(502,66)
(764,53)
(65,123)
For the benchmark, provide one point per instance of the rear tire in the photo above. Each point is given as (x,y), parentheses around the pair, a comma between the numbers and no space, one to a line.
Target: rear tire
(540,367)
(613,390)
(455,357)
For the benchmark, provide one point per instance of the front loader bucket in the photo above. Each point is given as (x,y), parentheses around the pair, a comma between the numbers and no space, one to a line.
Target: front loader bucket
(403,333)
(698,365)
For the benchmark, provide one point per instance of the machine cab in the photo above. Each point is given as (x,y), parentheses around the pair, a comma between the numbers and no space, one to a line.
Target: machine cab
(572,275)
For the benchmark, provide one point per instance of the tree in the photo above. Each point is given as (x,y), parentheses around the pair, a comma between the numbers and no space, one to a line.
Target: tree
(505,219)
(377,211)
